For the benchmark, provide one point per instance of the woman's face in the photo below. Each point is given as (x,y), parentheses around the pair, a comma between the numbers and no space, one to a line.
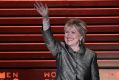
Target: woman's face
(71,36)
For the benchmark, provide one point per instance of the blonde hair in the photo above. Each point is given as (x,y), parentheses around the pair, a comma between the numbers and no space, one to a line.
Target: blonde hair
(79,25)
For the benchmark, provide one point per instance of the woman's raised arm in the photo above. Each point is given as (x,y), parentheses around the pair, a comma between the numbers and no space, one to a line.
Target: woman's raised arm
(52,45)
(43,11)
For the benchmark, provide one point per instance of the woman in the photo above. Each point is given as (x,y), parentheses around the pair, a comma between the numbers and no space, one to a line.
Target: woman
(74,61)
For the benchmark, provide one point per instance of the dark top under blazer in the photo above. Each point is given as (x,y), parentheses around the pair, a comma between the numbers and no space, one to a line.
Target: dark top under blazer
(72,65)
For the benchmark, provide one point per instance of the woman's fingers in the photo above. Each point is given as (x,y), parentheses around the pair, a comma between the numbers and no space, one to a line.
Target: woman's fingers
(41,5)
(37,8)
(46,7)
(38,4)
(41,9)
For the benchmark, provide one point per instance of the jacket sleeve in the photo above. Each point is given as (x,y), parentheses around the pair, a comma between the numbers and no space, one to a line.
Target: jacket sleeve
(51,43)
(94,68)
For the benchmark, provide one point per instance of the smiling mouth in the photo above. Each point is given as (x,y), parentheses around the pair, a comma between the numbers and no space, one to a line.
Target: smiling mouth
(69,39)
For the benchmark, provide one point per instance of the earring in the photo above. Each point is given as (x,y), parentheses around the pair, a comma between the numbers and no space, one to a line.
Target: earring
(81,38)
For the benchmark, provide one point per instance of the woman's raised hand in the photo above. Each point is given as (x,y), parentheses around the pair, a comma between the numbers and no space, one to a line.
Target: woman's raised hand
(41,9)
